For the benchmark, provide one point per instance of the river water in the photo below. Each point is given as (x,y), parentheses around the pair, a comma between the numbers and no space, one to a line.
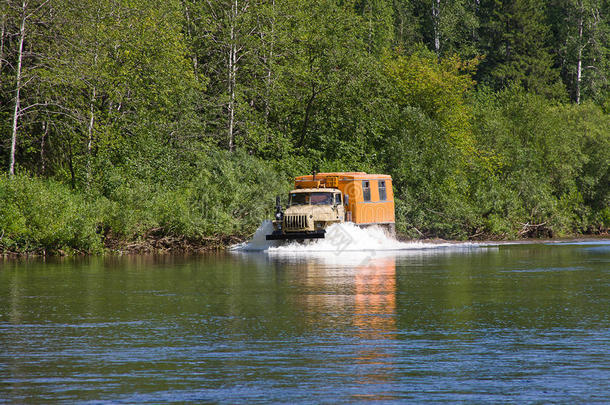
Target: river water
(365,320)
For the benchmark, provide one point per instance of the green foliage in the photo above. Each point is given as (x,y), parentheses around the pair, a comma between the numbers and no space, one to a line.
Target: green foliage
(548,174)
(581,33)
(128,107)
(223,194)
(450,25)
(43,215)
(218,194)
(377,15)
(432,147)
(516,46)
(438,88)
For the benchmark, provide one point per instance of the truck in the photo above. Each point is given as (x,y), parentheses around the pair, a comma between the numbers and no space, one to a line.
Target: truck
(320,200)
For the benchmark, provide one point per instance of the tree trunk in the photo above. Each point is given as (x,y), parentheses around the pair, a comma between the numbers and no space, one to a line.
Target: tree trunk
(93,98)
(232,74)
(2,31)
(436,13)
(189,33)
(17,91)
(43,139)
(71,166)
(580,46)
(370,11)
(90,133)
(269,62)
(307,114)
(597,35)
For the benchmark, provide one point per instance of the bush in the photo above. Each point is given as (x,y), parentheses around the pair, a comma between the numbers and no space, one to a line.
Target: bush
(43,215)
(218,193)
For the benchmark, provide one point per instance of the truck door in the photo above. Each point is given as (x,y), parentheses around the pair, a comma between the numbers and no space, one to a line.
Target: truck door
(338,207)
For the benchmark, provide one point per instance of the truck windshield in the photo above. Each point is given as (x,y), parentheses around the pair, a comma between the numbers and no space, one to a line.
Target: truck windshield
(311,198)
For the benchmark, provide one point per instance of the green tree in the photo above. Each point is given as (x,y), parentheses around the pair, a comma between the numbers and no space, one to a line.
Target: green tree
(431,147)
(125,80)
(581,36)
(550,177)
(23,52)
(378,17)
(332,103)
(438,87)
(446,26)
(407,30)
(223,36)
(515,37)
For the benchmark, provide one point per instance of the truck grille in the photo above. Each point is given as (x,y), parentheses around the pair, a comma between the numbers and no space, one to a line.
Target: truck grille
(295,222)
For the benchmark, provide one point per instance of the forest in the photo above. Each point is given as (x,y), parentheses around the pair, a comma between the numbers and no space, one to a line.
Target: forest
(127,123)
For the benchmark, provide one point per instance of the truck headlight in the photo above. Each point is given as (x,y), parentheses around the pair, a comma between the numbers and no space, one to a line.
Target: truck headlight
(278,216)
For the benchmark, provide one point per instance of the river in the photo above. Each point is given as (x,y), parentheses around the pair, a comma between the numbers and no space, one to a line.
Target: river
(469,323)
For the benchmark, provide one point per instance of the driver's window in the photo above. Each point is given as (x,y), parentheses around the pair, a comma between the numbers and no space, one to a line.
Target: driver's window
(337,199)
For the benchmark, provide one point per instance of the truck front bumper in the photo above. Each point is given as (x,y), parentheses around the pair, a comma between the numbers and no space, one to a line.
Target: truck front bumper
(281,235)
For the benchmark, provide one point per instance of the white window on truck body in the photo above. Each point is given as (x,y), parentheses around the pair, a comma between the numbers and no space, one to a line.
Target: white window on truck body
(366,190)
(382,193)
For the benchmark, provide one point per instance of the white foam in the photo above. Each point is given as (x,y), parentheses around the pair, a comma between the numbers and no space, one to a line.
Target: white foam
(258,241)
(341,238)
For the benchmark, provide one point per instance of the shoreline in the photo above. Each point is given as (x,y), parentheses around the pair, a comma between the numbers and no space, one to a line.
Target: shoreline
(174,245)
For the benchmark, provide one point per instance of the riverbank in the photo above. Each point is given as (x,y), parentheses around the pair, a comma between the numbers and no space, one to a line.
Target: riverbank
(147,244)
(164,244)
(45,217)
(155,243)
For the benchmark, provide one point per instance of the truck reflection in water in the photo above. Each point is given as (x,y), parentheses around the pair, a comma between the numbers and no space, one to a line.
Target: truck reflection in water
(360,286)
(375,320)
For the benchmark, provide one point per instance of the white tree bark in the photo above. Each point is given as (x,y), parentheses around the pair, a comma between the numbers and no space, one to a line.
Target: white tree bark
(436,14)
(18,78)
(232,73)
(189,33)
(580,46)
(236,52)
(93,96)
(90,132)
(370,12)
(269,66)
(2,31)
(43,139)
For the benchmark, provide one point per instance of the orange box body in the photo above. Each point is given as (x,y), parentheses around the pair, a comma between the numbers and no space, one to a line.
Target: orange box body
(360,210)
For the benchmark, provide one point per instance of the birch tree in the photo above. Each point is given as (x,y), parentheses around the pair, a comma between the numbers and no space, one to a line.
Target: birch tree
(450,26)
(266,50)
(436,25)
(226,28)
(120,75)
(582,37)
(378,18)
(23,61)
(3,18)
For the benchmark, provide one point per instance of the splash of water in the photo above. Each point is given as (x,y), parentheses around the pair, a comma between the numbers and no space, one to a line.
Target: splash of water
(258,241)
(339,238)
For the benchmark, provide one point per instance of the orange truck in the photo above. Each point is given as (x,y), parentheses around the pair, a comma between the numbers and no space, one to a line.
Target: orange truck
(322,199)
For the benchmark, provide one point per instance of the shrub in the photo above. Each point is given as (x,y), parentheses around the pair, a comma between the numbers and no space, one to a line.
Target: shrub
(43,215)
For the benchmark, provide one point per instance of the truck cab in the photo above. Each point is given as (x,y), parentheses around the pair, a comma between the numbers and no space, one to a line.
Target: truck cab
(308,213)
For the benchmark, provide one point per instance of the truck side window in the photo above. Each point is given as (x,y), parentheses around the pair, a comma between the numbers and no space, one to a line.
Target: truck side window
(366,190)
(337,199)
(382,194)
